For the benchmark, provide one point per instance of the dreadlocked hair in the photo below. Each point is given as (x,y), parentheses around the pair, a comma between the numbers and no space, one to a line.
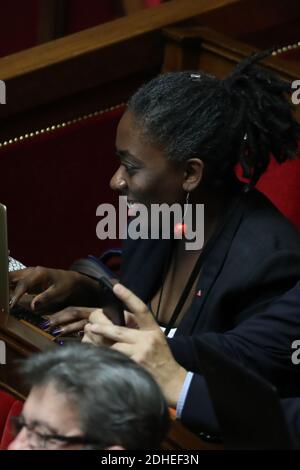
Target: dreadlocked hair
(242,119)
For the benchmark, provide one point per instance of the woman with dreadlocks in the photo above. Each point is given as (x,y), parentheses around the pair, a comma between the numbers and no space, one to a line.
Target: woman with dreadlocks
(179,141)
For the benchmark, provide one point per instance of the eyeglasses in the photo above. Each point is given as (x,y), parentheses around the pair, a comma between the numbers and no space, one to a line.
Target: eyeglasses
(38,440)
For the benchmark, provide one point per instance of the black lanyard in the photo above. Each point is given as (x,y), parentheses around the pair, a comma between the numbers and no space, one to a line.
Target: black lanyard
(185,292)
(203,255)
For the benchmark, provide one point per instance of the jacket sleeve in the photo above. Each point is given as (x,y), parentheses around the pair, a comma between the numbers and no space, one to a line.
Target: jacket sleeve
(291,411)
(262,343)
(198,411)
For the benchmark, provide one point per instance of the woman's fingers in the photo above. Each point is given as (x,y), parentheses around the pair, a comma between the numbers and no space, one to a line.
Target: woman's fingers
(70,328)
(24,281)
(69,315)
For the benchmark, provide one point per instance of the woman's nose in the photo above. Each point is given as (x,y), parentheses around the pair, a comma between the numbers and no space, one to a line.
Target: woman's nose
(118,182)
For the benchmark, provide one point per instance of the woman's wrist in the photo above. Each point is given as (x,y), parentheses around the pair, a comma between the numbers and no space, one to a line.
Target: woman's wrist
(87,290)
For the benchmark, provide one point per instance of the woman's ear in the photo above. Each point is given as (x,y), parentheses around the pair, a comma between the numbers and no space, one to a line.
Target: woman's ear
(193,174)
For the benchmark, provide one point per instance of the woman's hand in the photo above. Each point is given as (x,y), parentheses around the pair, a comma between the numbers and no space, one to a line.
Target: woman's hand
(146,344)
(68,321)
(57,288)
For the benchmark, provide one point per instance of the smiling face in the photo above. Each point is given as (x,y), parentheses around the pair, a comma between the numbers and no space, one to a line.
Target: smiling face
(145,175)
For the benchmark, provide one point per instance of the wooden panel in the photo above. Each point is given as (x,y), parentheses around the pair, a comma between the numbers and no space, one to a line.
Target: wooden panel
(180,437)
(21,340)
(249,18)
(203,49)
(52,19)
(89,68)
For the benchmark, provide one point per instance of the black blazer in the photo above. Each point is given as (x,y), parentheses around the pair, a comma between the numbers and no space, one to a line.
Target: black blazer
(291,410)
(262,343)
(249,264)
(251,261)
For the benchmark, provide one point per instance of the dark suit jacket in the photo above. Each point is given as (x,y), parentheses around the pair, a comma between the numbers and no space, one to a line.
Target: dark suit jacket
(291,409)
(262,343)
(249,264)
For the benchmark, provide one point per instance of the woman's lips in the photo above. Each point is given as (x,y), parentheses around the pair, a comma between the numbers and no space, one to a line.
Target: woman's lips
(132,208)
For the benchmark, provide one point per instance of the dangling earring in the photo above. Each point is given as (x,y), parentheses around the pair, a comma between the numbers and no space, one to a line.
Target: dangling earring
(186,205)
(180,227)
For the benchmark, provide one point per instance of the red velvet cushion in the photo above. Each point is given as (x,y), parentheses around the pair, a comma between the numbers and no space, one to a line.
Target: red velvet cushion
(292,55)
(6,402)
(7,437)
(83,14)
(52,185)
(152,3)
(9,406)
(18,25)
(281,183)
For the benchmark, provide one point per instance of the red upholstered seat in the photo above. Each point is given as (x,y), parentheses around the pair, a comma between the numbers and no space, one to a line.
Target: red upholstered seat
(152,3)
(280,183)
(20,31)
(82,14)
(9,406)
(18,25)
(292,55)
(52,185)
(6,402)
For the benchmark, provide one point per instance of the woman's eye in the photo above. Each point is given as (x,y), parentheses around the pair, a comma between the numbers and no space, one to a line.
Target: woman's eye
(130,169)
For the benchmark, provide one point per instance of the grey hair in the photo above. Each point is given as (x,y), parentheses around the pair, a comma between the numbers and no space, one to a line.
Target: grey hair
(117,401)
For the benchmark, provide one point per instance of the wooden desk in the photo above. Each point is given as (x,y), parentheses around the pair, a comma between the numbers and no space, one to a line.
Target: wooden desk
(21,340)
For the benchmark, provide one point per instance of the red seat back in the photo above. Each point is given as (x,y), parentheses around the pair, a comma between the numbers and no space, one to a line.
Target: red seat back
(9,406)
(52,185)
(280,183)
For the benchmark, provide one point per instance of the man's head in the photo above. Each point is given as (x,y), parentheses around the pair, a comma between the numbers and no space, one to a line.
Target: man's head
(82,396)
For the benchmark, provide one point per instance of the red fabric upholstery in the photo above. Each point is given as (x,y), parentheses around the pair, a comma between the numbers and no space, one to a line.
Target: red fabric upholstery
(52,186)
(152,3)
(18,25)
(19,31)
(280,183)
(292,55)
(6,402)
(83,14)
(9,406)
